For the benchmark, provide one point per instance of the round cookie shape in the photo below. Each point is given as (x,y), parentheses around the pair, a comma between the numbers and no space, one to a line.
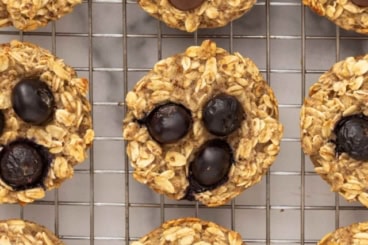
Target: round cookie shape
(196,231)
(28,15)
(191,79)
(190,15)
(350,15)
(36,158)
(353,234)
(17,231)
(332,117)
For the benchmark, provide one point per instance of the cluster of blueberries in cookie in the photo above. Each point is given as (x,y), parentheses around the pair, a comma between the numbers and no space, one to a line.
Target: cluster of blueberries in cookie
(23,163)
(221,116)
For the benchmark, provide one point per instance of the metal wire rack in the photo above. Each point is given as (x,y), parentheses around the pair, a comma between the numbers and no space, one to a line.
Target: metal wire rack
(113,43)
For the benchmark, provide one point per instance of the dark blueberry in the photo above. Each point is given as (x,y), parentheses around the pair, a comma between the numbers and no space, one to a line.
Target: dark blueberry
(186,5)
(212,163)
(33,101)
(222,115)
(2,122)
(361,3)
(168,123)
(23,164)
(352,136)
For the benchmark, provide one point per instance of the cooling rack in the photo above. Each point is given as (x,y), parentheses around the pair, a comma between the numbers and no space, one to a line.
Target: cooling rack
(113,43)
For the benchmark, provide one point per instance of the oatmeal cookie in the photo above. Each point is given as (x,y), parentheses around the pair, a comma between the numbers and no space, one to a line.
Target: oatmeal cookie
(202,125)
(45,122)
(28,15)
(191,15)
(347,14)
(16,231)
(190,231)
(334,126)
(354,234)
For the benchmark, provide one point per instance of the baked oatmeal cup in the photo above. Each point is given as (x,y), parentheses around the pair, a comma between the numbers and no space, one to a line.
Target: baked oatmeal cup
(45,122)
(16,231)
(191,15)
(27,15)
(334,126)
(350,235)
(202,125)
(350,15)
(190,231)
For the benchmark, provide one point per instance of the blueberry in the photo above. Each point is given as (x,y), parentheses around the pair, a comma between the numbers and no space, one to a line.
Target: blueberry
(168,123)
(186,5)
(33,101)
(22,165)
(222,115)
(352,136)
(361,3)
(2,122)
(212,163)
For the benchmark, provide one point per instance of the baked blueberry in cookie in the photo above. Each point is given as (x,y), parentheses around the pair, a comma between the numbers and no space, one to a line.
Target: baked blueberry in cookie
(222,115)
(33,101)
(209,168)
(24,164)
(168,123)
(361,3)
(45,122)
(202,125)
(191,15)
(334,127)
(186,5)
(352,136)
(212,163)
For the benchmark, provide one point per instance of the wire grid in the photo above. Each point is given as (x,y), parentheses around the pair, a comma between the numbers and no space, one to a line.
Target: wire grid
(114,43)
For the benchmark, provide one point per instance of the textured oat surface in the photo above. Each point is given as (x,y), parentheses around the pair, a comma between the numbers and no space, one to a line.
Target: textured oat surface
(188,231)
(342,91)
(191,79)
(211,14)
(28,15)
(355,234)
(343,13)
(16,232)
(69,132)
